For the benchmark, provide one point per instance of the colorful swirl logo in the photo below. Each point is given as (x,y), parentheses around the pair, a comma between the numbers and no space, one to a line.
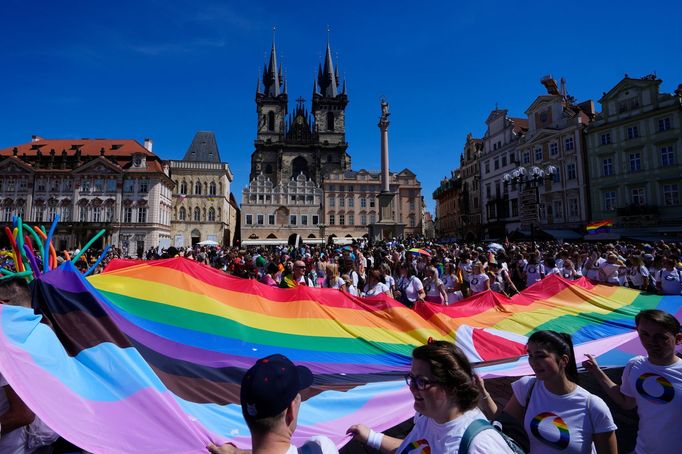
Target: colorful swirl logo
(668,390)
(564,435)
(417,447)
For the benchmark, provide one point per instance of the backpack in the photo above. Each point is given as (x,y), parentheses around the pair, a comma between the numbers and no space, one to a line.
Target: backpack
(479,425)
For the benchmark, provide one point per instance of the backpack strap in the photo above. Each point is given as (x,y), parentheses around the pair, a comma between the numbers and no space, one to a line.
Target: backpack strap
(475,427)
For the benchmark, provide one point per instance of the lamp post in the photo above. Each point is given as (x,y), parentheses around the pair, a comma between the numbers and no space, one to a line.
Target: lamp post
(322,227)
(528,182)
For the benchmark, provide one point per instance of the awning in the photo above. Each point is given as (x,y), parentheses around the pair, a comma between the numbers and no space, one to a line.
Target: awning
(606,236)
(563,234)
(264,242)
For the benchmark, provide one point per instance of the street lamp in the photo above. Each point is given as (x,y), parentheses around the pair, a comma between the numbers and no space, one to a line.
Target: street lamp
(529,198)
(322,227)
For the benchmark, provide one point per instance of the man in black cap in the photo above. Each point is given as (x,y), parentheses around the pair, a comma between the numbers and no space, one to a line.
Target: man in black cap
(270,398)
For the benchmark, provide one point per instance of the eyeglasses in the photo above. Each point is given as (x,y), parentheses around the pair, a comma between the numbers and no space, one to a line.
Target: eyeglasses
(420,383)
(300,267)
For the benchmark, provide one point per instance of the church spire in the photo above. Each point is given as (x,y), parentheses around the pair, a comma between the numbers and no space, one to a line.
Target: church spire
(271,76)
(326,78)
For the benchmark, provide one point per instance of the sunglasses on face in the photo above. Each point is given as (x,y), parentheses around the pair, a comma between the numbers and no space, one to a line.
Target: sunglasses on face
(420,383)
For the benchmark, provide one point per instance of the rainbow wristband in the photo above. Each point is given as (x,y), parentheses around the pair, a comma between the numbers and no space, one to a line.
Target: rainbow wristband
(374,439)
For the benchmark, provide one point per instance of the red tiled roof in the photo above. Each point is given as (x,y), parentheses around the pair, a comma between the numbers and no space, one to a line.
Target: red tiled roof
(88,147)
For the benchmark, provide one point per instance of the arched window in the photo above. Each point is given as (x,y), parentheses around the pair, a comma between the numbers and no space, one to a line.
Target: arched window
(197,188)
(268,168)
(330,121)
(183,214)
(212,188)
(271,121)
(211,214)
(197,215)
(183,187)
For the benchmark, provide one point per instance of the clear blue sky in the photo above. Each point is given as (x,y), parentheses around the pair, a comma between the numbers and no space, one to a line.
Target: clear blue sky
(165,69)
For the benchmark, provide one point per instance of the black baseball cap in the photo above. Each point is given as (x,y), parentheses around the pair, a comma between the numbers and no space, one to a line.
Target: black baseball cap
(271,385)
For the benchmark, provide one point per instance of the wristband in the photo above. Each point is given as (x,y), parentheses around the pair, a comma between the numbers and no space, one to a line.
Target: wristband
(374,439)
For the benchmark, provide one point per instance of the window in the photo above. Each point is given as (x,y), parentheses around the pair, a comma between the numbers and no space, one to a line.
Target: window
(606,138)
(128,215)
(526,157)
(497,164)
(11,185)
(351,219)
(487,167)
(549,211)
(82,214)
(363,202)
(99,185)
(249,219)
(197,188)
(342,219)
(85,185)
(664,124)
(558,209)
(350,188)
(515,207)
(260,219)
(342,202)
(109,214)
(304,219)
(638,196)
(97,214)
(512,158)
(573,208)
(316,219)
(66,213)
(372,218)
(144,185)
(212,188)
(111,185)
(554,148)
(372,202)
(182,214)
(504,160)
(607,167)
(538,154)
(128,186)
(271,121)
(570,143)
(330,121)
(342,188)
(556,176)
(183,187)
(671,194)
(332,202)
(667,156)
(332,219)
(142,215)
(635,162)
(571,172)
(363,219)
(412,221)
(271,219)
(351,202)
(632,132)
(331,187)
(609,200)
(488,190)
(292,219)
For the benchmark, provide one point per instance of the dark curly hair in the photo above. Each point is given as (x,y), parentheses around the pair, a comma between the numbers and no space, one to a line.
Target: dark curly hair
(452,370)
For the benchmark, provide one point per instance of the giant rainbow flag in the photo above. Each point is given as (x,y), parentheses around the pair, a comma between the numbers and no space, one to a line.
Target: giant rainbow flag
(147,357)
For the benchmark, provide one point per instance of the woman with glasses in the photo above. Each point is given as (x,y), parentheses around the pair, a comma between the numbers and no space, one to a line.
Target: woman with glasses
(445,399)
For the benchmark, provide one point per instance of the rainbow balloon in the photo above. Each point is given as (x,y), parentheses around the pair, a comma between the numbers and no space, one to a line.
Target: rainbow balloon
(148,356)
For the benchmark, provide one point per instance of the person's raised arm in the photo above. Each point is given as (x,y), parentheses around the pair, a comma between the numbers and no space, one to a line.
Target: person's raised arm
(377,440)
(612,389)
(486,404)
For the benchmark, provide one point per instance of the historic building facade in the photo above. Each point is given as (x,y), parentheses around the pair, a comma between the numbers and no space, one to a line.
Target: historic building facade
(204,208)
(351,203)
(558,203)
(634,153)
(293,153)
(448,197)
(470,193)
(499,155)
(92,184)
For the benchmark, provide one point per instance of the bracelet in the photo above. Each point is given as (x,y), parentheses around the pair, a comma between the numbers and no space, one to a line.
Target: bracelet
(374,439)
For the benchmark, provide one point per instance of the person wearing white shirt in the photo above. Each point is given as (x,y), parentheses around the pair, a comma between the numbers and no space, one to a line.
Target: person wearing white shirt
(669,278)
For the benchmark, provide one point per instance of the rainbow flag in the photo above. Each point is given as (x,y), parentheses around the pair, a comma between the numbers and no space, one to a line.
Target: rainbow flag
(599,227)
(147,357)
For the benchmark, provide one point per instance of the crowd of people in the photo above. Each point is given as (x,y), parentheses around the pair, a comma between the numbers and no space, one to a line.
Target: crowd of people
(453,407)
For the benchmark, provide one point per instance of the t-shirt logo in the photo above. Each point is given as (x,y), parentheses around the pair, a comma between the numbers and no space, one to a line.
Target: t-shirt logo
(670,277)
(567,275)
(531,270)
(417,447)
(548,435)
(474,281)
(668,390)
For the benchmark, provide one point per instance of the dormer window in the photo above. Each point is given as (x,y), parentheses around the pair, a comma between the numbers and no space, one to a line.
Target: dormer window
(139,160)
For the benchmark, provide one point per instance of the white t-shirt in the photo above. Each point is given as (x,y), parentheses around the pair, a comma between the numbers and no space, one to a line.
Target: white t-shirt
(593,271)
(335,283)
(15,441)
(390,281)
(378,289)
(610,271)
(429,436)
(319,444)
(451,282)
(636,275)
(477,282)
(671,281)
(562,424)
(658,392)
(534,272)
(411,287)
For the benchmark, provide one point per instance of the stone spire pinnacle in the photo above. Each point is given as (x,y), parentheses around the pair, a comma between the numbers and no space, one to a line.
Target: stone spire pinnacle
(271,76)
(326,77)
